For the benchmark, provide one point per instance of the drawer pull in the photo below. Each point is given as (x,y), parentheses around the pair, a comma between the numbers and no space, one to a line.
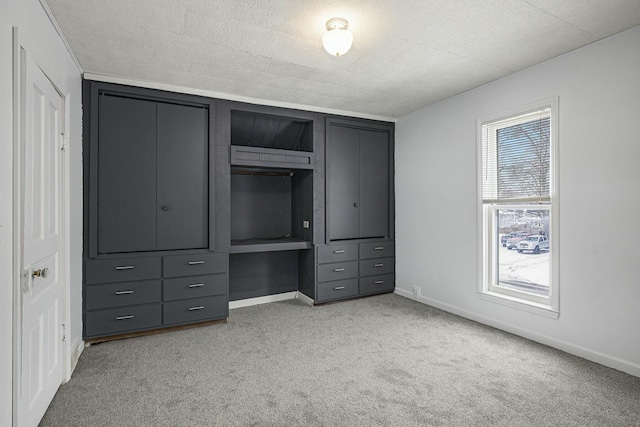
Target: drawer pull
(124,292)
(338,270)
(196,262)
(378,265)
(338,288)
(124,267)
(199,307)
(131,316)
(379,248)
(339,252)
(378,282)
(196,285)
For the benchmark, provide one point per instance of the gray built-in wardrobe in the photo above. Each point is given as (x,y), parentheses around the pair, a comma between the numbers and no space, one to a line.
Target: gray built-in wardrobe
(192,202)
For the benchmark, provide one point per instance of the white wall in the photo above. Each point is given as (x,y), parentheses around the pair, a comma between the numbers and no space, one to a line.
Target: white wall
(33,24)
(599,140)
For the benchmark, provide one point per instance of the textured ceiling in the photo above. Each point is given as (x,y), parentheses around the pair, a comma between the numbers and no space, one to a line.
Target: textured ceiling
(406,54)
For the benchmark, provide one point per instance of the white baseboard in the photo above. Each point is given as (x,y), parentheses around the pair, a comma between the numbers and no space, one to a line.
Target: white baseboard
(305,299)
(576,350)
(262,300)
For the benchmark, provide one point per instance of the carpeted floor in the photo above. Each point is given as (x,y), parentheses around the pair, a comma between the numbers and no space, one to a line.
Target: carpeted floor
(378,361)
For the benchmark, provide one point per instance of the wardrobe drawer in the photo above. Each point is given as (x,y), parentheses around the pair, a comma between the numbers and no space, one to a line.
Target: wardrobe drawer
(122,270)
(192,265)
(374,267)
(122,294)
(194,287)
(376,284)
(337,253)
(196,309)
(337,271)
(121,320)
(377,250)
(337,290)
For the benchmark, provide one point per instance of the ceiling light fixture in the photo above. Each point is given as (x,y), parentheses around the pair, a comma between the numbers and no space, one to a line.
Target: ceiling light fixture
(337,40)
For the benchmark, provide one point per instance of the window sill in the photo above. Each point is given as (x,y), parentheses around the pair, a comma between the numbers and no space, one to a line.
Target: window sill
(520,304)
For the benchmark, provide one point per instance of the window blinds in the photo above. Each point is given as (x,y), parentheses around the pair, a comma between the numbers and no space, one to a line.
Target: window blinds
(516,158)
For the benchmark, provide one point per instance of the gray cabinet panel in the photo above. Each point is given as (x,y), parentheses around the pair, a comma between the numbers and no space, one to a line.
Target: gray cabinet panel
(377,250)
(194,286)
(343,169)
(337,290)
(120,320)
(183,175)
(372,267)
(374,184)
(126,175)
(122,294)
(198,264)
(122,270)
(337,253)
(337,271)
(261,206)
(260,274)
(195,310)
(358,180)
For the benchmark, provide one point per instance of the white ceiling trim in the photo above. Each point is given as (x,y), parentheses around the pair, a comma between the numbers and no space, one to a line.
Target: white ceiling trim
(49,14)
(230,97)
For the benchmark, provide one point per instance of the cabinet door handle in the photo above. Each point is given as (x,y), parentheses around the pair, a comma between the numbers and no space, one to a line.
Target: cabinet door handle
(338,270)
(196,262)
(196,285)
(131,316)
(379,248)
(123,292)
(338,252)
(199,307)
(378,282)
(124,267)
(378,265)
(338,288)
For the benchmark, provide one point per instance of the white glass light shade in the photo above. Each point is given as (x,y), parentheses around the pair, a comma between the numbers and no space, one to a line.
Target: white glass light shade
(337,40)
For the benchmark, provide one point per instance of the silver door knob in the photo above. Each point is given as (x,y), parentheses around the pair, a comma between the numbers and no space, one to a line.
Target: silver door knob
(44,272)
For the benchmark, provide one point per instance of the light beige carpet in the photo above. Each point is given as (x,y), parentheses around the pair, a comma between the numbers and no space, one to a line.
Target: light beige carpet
(378,361)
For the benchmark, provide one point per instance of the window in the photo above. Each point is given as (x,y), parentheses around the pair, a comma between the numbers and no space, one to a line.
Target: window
(518,201)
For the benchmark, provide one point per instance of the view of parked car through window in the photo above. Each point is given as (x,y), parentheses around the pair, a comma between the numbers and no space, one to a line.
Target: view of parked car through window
(533,244)
(523,255)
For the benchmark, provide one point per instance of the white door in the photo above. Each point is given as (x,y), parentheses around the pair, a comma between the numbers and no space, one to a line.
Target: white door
(42,263)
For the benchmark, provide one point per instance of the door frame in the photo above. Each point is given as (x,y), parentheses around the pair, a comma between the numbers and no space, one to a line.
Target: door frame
(20,43)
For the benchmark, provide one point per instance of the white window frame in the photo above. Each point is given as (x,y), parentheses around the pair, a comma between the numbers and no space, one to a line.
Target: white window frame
(489,239)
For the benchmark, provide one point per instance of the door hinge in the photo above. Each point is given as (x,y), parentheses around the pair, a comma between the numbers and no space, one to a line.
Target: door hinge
(64,332)
(63,146)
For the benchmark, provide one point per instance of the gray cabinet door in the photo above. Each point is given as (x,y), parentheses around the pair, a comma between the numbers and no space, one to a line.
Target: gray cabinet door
(126,211)
(374,183)
(182,178)
(343,160)
(358,182)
